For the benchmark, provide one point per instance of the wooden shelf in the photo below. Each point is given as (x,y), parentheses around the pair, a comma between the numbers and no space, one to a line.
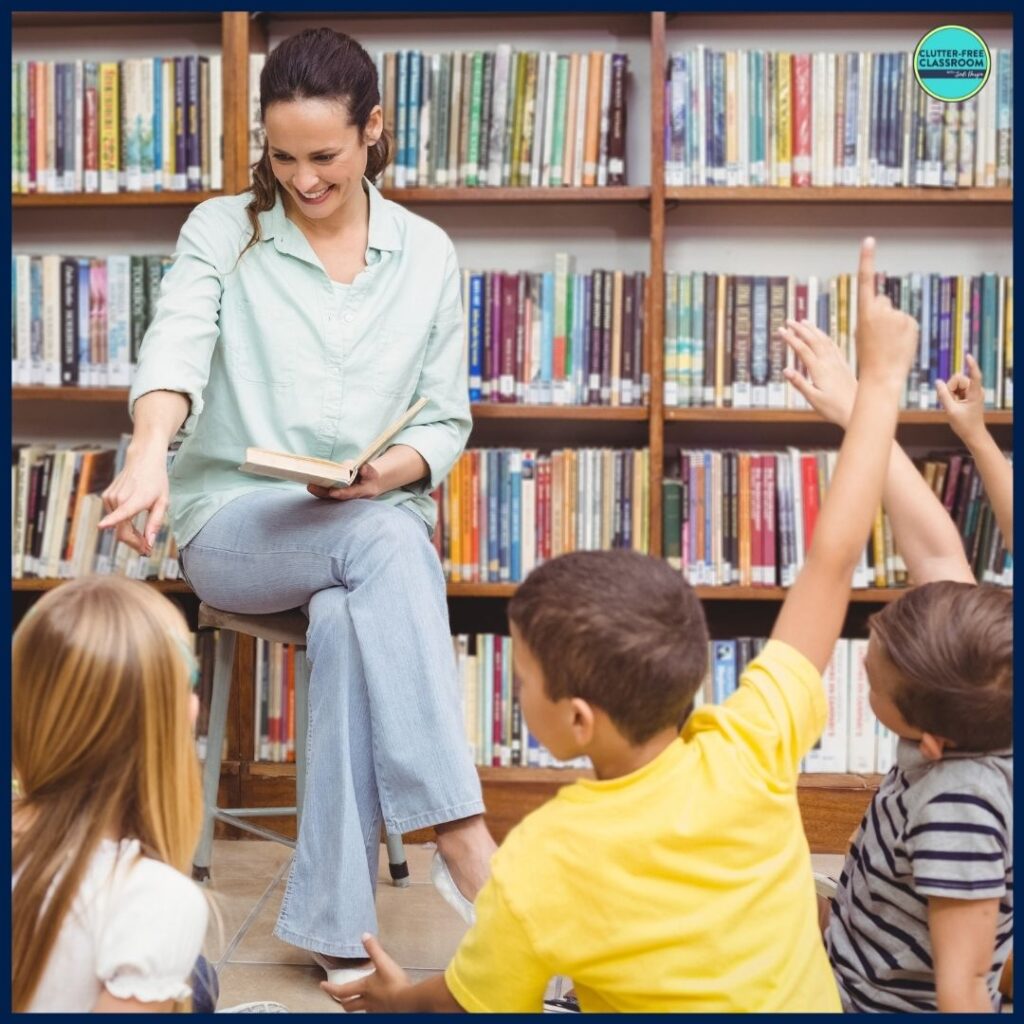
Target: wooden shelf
(34,393)
(72,18)
(831,805)
(499,590)
(164,586)
(480,410)
(869,595)
(37,200)
(935,417)
(862,196)
(457,196)
(510,411)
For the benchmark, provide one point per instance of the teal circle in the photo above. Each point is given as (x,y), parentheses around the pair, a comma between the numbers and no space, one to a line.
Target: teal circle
(952,63)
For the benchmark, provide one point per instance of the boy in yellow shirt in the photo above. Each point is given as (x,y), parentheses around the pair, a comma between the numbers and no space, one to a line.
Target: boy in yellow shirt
(679,879)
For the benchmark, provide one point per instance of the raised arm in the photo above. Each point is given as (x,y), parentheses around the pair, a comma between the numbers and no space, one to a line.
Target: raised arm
(813,612)
(926,536)
(964,401)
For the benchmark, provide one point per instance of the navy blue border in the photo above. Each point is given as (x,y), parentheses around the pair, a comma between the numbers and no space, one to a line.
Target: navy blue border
(939,7)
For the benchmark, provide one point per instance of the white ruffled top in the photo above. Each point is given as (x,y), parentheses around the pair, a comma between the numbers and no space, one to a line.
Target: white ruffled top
(135,928)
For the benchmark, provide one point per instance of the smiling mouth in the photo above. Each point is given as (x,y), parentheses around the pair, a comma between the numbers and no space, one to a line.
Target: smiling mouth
(314,197)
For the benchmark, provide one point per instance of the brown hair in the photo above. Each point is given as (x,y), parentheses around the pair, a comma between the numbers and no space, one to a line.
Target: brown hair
(317,63)
(952,645)
(102,744)
(623,631)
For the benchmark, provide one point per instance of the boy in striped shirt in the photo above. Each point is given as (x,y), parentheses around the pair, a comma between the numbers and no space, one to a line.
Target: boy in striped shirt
(923,916)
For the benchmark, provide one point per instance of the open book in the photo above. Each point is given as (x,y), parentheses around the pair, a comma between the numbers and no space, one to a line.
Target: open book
(308,470)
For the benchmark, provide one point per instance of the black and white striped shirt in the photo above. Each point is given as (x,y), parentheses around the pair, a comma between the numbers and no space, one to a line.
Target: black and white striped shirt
(935,828)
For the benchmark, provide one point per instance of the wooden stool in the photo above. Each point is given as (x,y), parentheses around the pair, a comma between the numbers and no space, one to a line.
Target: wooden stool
(285,628)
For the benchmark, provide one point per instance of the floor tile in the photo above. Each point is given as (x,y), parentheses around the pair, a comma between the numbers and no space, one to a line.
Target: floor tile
(240,874)
(297,987)
(416,926)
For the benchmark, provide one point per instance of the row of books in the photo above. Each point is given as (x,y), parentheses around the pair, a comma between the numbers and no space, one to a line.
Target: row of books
(56,507)
(746,518)
(496,730)
(556,338)
(722,346)
(274,696)
(80,320)
(505,117)
(754,117)
(501,511)
(498,734)
(853,739)
(137,125)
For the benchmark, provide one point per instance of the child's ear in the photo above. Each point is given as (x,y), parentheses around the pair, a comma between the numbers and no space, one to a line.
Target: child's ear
(582,721)
(932,746)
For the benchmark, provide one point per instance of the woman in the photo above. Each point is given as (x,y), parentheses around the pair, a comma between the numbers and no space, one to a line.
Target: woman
(305,316)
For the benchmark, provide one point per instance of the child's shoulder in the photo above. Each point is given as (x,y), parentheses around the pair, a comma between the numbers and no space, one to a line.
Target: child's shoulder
(966,779)
(125,876)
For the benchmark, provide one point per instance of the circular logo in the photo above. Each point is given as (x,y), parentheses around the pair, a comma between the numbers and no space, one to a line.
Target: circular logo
(952,63)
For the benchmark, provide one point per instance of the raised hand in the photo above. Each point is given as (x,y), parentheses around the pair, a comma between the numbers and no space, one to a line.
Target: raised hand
(886,338)
(963,398)
(829,385)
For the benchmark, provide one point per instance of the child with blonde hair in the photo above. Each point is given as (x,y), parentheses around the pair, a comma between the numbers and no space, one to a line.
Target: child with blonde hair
(103,915)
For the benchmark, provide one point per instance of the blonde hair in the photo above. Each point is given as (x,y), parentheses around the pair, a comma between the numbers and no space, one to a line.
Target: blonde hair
(102,745)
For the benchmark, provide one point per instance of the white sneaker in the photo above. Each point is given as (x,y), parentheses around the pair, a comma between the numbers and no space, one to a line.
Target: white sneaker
(445,885)
(258,1007)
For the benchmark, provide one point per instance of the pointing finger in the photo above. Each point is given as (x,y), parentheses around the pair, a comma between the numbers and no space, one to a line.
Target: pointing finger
(973,369)
(866,274)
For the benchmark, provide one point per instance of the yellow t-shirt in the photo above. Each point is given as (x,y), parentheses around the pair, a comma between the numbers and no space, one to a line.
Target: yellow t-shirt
(685,885)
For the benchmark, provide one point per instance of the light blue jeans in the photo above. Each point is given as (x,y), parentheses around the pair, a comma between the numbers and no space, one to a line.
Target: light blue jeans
(385,730)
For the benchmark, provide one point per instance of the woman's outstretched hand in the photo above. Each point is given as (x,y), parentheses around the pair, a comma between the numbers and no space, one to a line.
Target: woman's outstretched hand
(141,486)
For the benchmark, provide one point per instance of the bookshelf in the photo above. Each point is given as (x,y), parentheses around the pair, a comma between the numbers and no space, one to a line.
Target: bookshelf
(644,225)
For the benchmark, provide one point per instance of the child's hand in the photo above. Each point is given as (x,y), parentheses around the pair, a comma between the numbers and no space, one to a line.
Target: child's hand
(831,387)
(963,398)
(378,992)
(886,338)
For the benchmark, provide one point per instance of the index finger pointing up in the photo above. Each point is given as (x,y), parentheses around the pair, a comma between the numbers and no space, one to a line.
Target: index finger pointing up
(866,273)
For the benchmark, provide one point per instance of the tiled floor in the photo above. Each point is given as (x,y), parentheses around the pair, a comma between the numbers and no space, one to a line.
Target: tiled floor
(417,927)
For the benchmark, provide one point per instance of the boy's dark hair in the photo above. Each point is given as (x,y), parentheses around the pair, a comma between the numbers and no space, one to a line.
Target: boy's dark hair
(317,63)
(952,644)
(623,631)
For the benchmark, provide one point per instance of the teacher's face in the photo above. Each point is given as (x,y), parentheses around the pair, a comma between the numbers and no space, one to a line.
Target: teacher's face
(318,156)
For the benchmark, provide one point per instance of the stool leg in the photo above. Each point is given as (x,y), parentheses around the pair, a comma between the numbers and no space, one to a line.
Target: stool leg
(396,861)
(214,744)
(301,730)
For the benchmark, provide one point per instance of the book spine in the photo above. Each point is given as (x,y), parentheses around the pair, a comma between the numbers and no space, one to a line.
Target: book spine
(109,126)
(69,322)
(193,156)
(180,125)
(801,75)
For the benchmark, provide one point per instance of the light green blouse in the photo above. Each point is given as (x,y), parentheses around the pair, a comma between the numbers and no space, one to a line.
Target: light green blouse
(271,355)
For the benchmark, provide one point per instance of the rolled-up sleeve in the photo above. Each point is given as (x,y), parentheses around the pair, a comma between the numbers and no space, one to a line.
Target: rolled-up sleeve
(440,430)
(178,346)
